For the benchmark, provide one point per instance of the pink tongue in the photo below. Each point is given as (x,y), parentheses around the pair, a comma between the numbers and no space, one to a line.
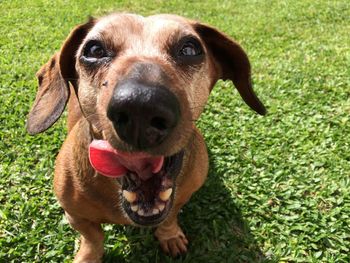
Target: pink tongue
(110,162)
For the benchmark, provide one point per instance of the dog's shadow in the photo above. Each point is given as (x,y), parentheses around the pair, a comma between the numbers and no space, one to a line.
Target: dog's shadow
(212,222)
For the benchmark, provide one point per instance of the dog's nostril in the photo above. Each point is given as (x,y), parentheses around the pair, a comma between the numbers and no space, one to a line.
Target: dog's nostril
(159,123)
(122,118)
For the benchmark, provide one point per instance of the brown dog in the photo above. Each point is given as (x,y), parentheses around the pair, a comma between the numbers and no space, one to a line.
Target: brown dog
(133,154)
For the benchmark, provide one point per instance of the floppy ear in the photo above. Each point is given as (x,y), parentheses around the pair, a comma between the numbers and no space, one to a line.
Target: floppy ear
(233,63)
(54,78)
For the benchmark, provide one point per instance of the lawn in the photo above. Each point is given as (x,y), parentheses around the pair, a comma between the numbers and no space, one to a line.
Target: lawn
(279,185)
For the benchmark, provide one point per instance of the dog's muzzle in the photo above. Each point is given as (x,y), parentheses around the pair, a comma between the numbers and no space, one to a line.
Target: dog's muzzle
(143,115)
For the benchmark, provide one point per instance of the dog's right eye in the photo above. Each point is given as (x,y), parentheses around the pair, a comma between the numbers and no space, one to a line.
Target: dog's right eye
(94,50)
(94,54)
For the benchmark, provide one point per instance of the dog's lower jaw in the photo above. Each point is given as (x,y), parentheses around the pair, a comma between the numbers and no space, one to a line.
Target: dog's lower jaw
(148,203)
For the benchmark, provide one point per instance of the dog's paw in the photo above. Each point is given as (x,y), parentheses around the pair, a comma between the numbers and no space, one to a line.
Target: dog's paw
(175,244)
(83,259)
(88,255)
(86,260)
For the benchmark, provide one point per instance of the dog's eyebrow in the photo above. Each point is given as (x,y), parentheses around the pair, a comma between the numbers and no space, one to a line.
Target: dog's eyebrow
(110,43)
(176,36)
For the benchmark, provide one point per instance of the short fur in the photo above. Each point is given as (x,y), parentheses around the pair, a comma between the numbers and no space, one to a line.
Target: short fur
(89,198)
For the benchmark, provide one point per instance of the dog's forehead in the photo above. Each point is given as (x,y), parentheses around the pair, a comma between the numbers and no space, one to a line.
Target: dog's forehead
(160,23)
(124,26)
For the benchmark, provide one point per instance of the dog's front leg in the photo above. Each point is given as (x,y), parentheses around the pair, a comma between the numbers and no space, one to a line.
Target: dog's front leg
(171,238)
(91,246)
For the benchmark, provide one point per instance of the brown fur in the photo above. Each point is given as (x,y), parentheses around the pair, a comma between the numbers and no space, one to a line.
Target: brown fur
(88,198)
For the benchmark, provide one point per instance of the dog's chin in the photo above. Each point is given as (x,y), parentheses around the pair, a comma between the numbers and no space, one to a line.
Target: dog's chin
(149,202)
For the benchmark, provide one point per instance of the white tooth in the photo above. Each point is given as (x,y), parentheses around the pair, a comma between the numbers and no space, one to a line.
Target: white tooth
(165,195)
(155,211)
(161,207)
(134,208)
(129,196)
(141,212)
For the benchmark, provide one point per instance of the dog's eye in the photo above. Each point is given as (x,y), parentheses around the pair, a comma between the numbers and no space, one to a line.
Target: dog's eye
(188,51)
(94,50)
(95,54)
(190,48)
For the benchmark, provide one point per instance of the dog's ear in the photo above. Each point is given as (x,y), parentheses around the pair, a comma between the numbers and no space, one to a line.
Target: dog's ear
(54,78)
(232,63)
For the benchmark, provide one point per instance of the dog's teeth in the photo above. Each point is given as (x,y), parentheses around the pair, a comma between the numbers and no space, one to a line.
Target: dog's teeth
(129,196)
(155,211)
(134,208)
(161,207)
(141,212)
(164,196)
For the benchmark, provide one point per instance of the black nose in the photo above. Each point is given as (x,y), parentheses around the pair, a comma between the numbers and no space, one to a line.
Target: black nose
(143,115)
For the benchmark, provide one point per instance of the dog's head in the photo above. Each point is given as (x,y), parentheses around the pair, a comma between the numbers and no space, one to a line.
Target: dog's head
(141,83)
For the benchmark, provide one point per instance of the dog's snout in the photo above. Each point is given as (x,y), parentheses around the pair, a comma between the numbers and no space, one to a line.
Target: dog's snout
(143,115)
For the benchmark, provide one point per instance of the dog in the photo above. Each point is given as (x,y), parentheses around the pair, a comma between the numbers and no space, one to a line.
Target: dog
(135,87)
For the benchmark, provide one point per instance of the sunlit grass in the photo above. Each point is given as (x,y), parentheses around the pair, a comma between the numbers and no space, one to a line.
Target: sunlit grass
(279,185)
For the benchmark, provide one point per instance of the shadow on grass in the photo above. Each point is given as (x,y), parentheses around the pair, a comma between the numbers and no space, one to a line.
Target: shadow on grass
(211,221)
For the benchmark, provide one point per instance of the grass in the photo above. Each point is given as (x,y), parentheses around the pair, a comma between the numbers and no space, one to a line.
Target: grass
(279,186)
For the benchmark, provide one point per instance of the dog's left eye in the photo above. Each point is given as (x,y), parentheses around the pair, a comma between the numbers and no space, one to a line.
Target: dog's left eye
(190,48)
(188,51)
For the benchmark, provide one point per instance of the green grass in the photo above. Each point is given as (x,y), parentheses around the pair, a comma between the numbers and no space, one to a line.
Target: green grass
(279,186)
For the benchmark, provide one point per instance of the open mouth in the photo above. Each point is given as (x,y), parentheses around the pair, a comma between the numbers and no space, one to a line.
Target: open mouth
(148,182)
